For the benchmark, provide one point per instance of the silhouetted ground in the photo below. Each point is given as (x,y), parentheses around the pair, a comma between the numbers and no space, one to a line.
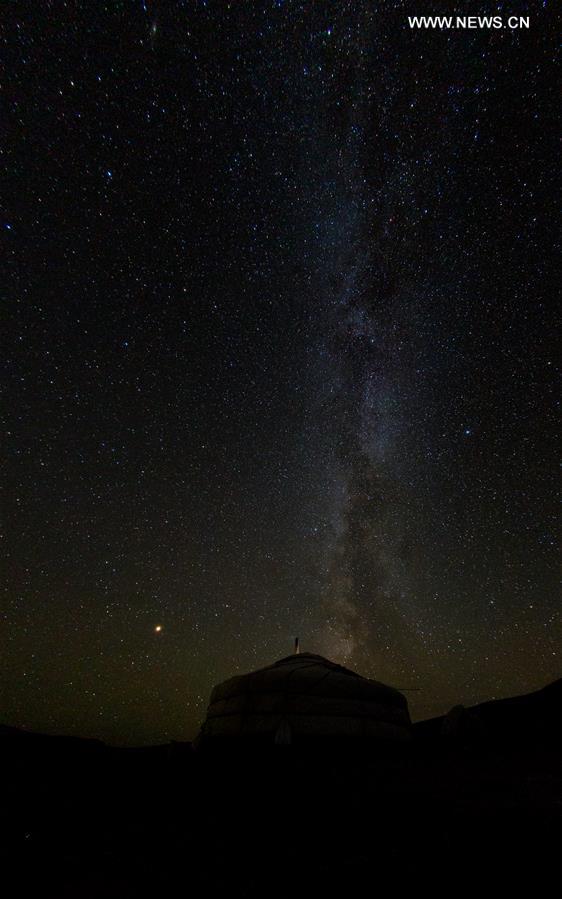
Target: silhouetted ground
(475,806)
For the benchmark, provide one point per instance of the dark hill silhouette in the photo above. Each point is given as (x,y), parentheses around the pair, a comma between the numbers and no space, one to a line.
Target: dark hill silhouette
(530,719)
(481,803)
(46,741)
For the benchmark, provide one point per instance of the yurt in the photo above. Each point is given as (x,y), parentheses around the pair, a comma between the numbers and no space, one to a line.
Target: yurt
(301,699)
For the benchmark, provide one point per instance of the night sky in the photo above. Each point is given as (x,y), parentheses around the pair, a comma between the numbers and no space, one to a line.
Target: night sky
(279,355)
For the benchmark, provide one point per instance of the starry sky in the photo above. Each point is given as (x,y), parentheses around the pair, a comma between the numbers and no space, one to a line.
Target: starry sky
(279,355)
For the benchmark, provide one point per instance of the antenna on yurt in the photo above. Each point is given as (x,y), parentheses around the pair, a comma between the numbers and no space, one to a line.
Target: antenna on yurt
(297,650)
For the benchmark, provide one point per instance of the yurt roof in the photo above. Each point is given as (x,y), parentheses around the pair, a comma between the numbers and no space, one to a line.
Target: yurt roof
(311,674)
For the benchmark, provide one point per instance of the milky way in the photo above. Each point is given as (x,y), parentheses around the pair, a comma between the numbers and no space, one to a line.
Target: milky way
(280,360)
